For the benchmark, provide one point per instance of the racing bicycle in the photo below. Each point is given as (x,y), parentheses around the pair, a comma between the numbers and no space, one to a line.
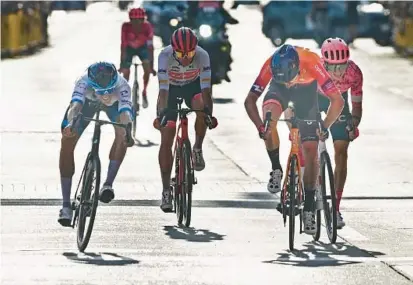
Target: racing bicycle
(327,196)
(292,194)
(86,197)
(184,179)
(135,94)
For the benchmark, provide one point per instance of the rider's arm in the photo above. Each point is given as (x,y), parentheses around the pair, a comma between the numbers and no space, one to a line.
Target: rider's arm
(257,88)
(124,41)
(329,89)
(78,99)
(163,79)
(125,104)
(205,79)
(357,96)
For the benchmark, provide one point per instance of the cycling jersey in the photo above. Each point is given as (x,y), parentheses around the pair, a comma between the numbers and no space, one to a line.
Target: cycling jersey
(121,94)
(170,71)
(311,69)
(136,39)
(352,78)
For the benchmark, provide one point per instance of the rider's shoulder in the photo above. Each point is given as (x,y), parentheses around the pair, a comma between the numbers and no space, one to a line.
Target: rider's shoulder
(201,52)
(126,25)
(82,81)
(166,51)
(121,82)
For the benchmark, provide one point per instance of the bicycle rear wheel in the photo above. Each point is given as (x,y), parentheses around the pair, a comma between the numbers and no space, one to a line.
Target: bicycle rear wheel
(329,197)
(177,187)
(135,102)
(187,184)
(88,205)
(292,199)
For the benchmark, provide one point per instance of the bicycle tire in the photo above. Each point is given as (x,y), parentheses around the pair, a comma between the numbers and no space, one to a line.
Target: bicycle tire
(330,214)
(135,106)
(94,168)
(292,199)
(187,182)
(178,186)
(316,236)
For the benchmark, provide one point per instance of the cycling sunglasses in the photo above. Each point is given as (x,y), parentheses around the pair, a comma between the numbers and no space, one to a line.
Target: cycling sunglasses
(336,68)
(181,55)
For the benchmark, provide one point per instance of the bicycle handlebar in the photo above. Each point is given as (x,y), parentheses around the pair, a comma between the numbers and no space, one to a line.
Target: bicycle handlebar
(127,127)
(186,111)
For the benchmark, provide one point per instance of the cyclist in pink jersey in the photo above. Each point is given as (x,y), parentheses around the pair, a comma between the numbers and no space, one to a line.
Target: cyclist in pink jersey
(346,75)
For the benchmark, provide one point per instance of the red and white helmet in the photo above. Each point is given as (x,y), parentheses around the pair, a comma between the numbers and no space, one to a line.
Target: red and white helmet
(137,13)
(335,51)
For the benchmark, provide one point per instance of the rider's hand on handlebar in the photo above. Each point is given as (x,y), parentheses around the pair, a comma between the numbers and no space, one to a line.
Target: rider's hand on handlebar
(262,134)
(353,133)
(322,132)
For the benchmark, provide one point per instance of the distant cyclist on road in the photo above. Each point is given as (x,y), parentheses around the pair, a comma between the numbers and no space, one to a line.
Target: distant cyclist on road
(184,71)
(101,83)
(293,74)
(345,74)
(137,39)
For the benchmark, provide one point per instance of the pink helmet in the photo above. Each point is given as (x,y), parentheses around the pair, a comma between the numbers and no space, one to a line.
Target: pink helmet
(335,51)
(137,13)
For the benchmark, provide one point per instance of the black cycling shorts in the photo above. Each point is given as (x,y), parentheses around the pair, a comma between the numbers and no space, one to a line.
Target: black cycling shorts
(305,102)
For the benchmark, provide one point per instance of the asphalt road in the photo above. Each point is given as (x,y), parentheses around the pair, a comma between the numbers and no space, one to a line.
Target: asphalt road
(237,236)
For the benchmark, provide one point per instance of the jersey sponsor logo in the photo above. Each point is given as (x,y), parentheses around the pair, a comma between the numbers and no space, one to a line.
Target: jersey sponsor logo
(257,88)
(161,70)
(328,86)
(124,93)
(317,67)
(190,74)
(206,68)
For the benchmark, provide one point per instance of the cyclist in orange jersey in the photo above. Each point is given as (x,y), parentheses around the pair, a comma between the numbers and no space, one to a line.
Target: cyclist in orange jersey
(293,74)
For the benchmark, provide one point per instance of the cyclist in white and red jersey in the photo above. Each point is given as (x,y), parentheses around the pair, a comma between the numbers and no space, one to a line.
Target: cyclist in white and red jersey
(345,74)
(184,71)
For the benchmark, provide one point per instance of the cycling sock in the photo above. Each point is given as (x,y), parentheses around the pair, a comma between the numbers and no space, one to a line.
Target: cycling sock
(275,158)
(309,200)
(339,194)
(112,171)
(66,184)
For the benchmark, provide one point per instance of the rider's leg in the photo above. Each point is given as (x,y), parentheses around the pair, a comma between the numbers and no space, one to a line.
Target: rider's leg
(165,153)
(126,63)
(116,155)
(275,101)
(306,107)
(341,143)
(67,165)
(200,132)
(144,57)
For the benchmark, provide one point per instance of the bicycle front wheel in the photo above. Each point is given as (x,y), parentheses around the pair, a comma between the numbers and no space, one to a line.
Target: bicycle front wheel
(177,185)
(187,184)
(89,199)
(292,186)
(329,197)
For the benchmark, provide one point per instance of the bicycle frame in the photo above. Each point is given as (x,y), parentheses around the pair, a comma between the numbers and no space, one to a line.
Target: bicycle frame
(295,148)
(181,136)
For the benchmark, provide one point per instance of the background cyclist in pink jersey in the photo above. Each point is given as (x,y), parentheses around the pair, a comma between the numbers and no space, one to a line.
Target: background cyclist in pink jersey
(345,74)
(137,39)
